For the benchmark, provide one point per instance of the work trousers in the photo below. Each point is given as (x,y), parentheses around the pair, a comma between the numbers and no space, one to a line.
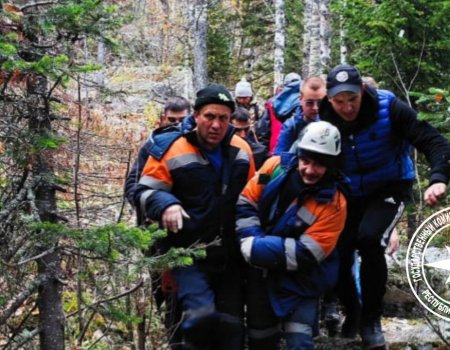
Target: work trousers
(369,224)
(265,329)
(213,308)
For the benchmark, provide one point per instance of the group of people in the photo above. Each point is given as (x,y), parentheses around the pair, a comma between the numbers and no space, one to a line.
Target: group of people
(279,238)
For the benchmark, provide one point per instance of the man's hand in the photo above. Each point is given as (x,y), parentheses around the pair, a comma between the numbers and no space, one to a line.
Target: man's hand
(172,218)
(394,243)
(435,192)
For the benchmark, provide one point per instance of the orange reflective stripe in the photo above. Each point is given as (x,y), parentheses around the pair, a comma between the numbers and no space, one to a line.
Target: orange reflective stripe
(236,141)
(330,222)
(157,169)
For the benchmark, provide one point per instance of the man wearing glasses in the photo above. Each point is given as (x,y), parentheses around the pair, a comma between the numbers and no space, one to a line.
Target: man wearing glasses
(175,110)
(313,90)
(240,119)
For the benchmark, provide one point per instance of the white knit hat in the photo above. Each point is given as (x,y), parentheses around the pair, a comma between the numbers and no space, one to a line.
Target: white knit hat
(243,89)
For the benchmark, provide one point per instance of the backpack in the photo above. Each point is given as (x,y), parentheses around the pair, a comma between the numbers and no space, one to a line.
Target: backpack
(287,101)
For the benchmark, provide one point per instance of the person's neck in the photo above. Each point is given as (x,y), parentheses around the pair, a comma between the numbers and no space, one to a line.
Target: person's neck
(205,146)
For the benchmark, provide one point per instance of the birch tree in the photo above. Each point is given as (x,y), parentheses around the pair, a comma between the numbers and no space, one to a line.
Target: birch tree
(307,36)
(280,24)
(187,11)
(342,35)
(314,66)
(200,39)
(325,35)
(317,37)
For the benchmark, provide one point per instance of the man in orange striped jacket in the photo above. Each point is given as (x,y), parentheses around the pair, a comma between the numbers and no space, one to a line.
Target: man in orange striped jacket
(288,225)
(190,184)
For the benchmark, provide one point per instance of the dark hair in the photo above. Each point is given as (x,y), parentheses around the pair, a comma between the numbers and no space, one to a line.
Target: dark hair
(177,104)
(241,114)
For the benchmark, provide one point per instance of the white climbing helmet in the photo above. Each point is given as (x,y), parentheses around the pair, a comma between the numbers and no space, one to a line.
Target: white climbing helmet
(320,137)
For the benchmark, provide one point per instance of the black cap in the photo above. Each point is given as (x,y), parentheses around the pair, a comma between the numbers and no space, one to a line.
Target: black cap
(343,78)
(214,94)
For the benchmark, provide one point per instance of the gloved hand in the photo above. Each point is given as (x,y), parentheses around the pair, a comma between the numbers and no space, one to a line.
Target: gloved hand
(172,218)
(246,247)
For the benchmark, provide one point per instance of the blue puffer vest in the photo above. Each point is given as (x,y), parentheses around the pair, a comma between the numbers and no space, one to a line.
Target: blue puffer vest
(374,157)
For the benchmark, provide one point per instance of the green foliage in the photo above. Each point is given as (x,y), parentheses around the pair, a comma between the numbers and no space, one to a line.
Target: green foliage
(434,106)
(221,23)
(294,36)
(173,258)
(397,42)
(257,23)
(7,49)
(49,142)
(258,34)
(72,19)
(117,241)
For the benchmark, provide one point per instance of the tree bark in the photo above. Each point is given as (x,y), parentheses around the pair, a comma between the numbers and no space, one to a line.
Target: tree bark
(280,25)
(188,14)
(314,56)
(325,35)
(51,315)
(306,37)
(200,37)
(342,37)
(101,50)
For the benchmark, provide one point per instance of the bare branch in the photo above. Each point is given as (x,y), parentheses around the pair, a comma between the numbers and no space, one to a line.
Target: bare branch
(115,297)
(36,4)
(19,299)
(21,196)
(23,262)
(418,64)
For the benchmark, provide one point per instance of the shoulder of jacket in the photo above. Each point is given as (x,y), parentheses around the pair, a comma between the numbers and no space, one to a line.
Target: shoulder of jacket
(239,142)
(162,143)
(270,165)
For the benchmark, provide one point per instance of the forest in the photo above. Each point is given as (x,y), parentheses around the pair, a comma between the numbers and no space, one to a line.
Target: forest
(82,85)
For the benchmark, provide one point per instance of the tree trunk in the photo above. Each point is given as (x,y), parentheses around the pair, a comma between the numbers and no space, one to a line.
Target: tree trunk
(306,37)
(280,24)
(200,37)
(101,49)
(314,55)
(165,32)
(325,35)
(342,38)
(188,14)
(51,315)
